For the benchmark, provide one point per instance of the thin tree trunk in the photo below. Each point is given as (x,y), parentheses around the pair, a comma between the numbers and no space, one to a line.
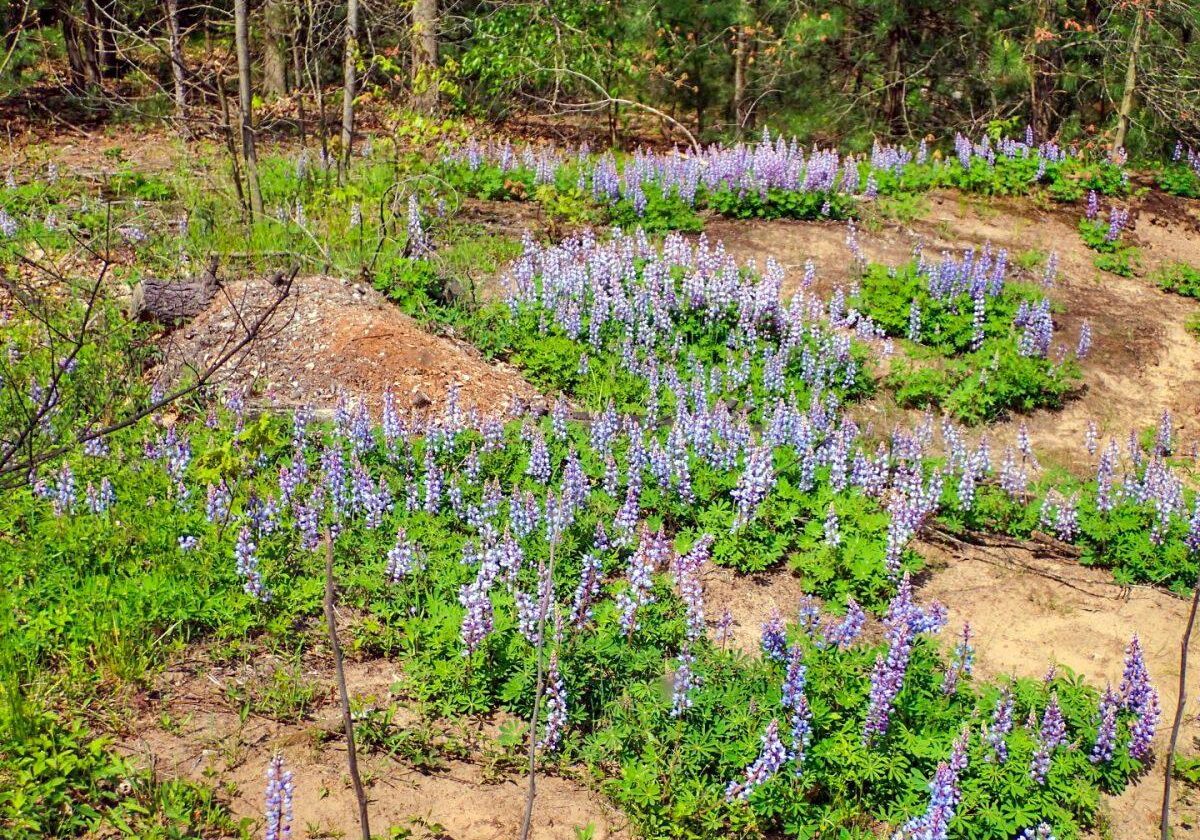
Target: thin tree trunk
(893,99)
(349,68)
(1169,762)
(178,69)
(1135,47)
(339,672)
(741,55)
(241,16)
(231,144)
(297,73)
(425,56)
(274,55)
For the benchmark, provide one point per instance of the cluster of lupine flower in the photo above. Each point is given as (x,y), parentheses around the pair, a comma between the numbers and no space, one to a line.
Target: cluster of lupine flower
(772,163)
(1186,155)
(1138,696)
(968,151)
(903,622)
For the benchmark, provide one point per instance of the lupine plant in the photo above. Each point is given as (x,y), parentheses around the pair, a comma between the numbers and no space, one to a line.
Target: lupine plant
(631,650)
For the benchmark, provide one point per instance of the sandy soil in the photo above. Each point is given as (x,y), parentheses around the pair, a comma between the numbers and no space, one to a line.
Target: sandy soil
(188,728)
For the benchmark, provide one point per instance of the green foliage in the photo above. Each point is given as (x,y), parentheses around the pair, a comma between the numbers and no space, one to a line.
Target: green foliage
(1119,539)
(975,381)
(59,781)
(782,204)
(1180,278)
(1179,179)
(1112,255)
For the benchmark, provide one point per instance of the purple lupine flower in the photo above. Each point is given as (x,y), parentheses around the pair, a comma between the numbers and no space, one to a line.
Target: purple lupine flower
(944,796)
(833,537)
(478,619)
(532,609)
(556,707)
(62,498)
(278,816)
(246,558)
(682,683)
(1139,696)
(558,419)
(1135,687)
(1106,732)
(754,484)
(687,569)
(961,664)
(1085,340)
(725,627)
(418,241)
(1192,540)
(770,759)
(1051,272)
(187,542)
(1053,733)
(887,677)
(774,637)
(539,460)
(1117,219)
(1091,438)
(914,321)
(1144,726)
(1013,479)
(1093,206)
(809,615)
(844,634)
(403,558)
(1164,437)
(588,590)
(643,562)
(794,680)
(1001,725)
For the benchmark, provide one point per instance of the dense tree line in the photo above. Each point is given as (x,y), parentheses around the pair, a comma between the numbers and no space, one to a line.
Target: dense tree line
(835,70)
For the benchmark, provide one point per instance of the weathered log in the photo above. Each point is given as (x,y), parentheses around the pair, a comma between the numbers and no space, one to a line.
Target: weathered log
(175,301)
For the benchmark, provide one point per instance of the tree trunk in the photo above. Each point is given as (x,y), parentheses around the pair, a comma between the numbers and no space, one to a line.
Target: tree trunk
(178,70)
(1135,47)
(241,19)
(425,56)
(741,52)
(349,68)
(297,71)
(274,57)
(82,47)
(1180,706)
(893,98)
(230,143)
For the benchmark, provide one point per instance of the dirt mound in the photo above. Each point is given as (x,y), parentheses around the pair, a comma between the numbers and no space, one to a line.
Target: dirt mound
(334,336)
(188,728)
(1030,609)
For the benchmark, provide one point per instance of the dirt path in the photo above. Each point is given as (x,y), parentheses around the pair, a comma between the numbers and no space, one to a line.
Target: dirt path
(188,728)
(1029,610)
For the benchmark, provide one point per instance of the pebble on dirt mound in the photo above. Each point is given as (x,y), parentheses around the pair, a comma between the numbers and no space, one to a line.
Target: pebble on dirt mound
(333,336)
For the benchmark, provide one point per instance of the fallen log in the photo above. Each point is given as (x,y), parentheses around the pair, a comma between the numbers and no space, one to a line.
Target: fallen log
(172,302)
